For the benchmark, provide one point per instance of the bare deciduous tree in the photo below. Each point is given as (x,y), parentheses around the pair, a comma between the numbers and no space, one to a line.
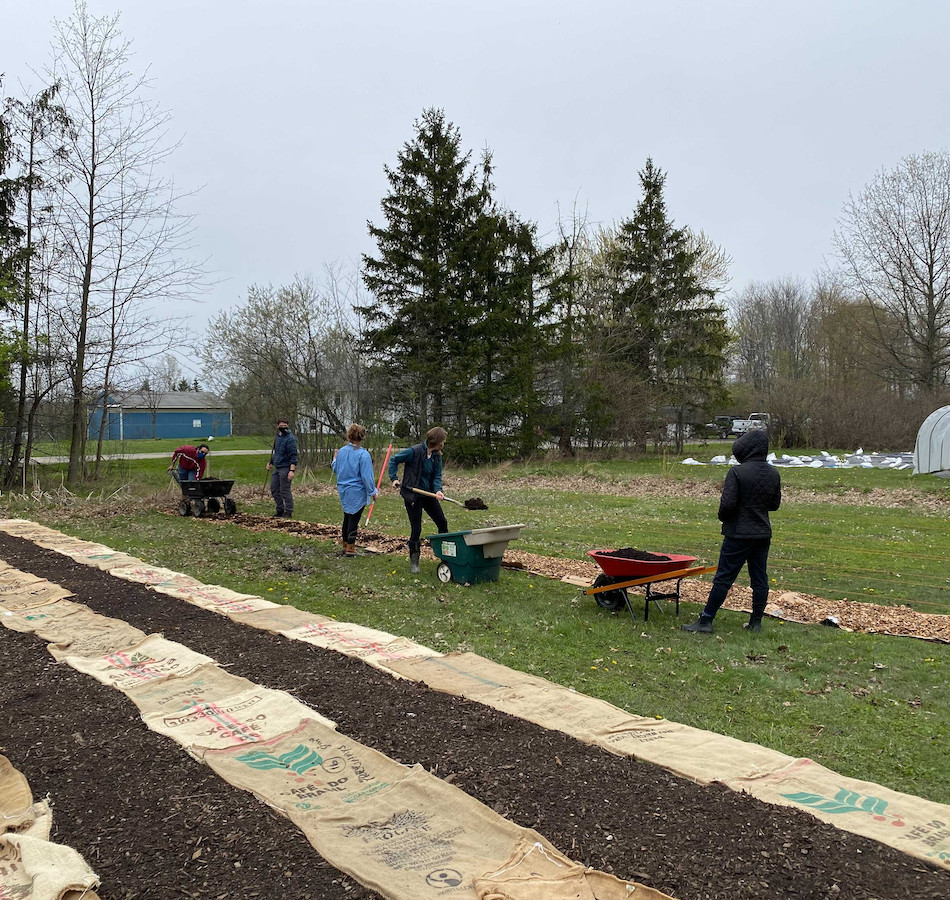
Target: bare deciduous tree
(894,240)
(126,247)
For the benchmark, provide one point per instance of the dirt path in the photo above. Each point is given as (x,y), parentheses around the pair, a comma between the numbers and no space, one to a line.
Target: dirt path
(140,811)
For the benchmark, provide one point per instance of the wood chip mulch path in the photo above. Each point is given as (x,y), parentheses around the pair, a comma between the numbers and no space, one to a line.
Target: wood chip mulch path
(156,824)
(852,615)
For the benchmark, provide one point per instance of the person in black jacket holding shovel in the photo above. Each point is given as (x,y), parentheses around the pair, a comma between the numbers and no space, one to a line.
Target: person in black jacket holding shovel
(422,468)
(751,490)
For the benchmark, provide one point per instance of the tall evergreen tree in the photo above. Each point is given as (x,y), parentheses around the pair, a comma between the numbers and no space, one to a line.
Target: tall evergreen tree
(419,276)
(665,327)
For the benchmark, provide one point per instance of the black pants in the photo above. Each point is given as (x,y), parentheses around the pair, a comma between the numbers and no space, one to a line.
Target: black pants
(734,553)
(415,507)
(351,525)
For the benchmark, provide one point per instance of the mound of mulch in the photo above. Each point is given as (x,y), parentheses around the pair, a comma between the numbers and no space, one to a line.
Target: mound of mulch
(156,824)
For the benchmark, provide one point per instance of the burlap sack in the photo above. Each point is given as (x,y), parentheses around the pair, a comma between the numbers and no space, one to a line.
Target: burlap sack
(278,620)
(34,868)
(917,827)
(32,620)
(536,873)
(154,659)
(309,769)
(206,684)
(215,598)
(89,634)
(16,798)
(559,709)
(258,714)
(464,674)
(418,838)
(154,575)
(376,648)
(22,594)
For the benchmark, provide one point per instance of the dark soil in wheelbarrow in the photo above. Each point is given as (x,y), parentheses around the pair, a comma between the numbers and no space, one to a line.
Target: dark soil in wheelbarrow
(156,824)
(633,553)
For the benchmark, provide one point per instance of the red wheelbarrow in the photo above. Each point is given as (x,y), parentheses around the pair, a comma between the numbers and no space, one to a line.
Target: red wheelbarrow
(622,572)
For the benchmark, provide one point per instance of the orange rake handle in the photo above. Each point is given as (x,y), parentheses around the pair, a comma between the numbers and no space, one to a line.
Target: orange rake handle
(651,579)
(379,482)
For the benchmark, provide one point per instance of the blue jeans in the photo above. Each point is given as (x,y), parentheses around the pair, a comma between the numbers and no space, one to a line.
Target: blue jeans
(187,474)
(734,553)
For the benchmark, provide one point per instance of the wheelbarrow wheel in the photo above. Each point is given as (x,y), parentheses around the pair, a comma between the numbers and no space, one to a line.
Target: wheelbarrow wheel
(230,507)
(198,508)
(444,573)
(612,600)
(214,505)
(184,508)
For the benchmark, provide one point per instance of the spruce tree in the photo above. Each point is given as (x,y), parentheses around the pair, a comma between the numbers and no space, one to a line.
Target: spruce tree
(419,276)
(666,328)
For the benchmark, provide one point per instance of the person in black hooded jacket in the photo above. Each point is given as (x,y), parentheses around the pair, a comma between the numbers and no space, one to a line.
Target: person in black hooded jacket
(750,492)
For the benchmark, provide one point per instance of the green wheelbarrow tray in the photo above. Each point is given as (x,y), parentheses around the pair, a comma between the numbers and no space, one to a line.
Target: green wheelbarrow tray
(468,557)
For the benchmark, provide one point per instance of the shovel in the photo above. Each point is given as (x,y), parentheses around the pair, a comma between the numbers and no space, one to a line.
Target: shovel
(471,503)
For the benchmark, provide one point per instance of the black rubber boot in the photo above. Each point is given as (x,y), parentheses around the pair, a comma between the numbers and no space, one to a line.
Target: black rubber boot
(414,563)
(703,625)
(754,623)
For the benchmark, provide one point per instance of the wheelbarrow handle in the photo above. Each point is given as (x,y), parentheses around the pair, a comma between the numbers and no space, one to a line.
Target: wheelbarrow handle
(430,494)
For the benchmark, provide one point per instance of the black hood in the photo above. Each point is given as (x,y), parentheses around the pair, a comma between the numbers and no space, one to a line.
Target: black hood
(754,444)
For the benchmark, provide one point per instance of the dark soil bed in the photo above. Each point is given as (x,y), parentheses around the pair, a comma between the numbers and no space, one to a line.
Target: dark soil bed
(156,824)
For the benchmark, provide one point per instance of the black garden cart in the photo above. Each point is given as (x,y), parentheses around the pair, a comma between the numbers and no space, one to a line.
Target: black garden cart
(210,496)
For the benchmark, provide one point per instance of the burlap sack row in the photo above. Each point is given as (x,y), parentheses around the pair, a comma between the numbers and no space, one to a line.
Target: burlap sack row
(911,824)
(30,866)
(680,748)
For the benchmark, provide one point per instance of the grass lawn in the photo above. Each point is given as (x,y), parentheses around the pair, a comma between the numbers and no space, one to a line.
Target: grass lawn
(870,707)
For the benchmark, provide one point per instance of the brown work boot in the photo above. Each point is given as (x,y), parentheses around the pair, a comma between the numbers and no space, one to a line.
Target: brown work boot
(350,550)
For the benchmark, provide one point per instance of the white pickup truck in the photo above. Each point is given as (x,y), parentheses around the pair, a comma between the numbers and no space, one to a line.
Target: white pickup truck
(755,420)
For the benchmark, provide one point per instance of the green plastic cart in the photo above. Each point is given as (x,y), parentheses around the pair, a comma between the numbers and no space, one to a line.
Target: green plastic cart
(468,557)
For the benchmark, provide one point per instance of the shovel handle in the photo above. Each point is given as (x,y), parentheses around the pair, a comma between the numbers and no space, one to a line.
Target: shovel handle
(430,494)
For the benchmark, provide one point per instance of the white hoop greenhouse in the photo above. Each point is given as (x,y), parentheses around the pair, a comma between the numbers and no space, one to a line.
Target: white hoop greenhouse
(932,451)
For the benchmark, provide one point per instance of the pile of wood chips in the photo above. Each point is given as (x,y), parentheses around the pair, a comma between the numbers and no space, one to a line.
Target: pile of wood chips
(849,615)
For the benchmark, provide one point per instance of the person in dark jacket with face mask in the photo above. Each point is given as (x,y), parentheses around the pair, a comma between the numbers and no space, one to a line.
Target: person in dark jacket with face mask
(283,460)
(750,492)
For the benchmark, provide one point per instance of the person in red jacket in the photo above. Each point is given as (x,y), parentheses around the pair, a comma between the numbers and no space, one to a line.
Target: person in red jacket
(191,462)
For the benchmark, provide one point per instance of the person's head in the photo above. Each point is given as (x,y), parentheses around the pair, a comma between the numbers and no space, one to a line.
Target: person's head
(283,426)
(202,450)
(435,438)
(355,433)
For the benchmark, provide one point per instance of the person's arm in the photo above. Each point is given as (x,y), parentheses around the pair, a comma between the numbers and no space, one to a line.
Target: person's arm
(437,474)
(202,465)
(777,495)
(729,501)
(394,461)
(366,473)
(174,460)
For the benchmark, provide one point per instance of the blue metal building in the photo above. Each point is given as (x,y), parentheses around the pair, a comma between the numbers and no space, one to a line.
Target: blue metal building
(162,414)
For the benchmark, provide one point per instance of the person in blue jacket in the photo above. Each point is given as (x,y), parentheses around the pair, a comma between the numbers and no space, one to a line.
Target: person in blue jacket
(422,468)
(283,460)
(353,467)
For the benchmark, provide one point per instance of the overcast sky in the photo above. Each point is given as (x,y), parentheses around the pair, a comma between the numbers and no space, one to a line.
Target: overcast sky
(763,115)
